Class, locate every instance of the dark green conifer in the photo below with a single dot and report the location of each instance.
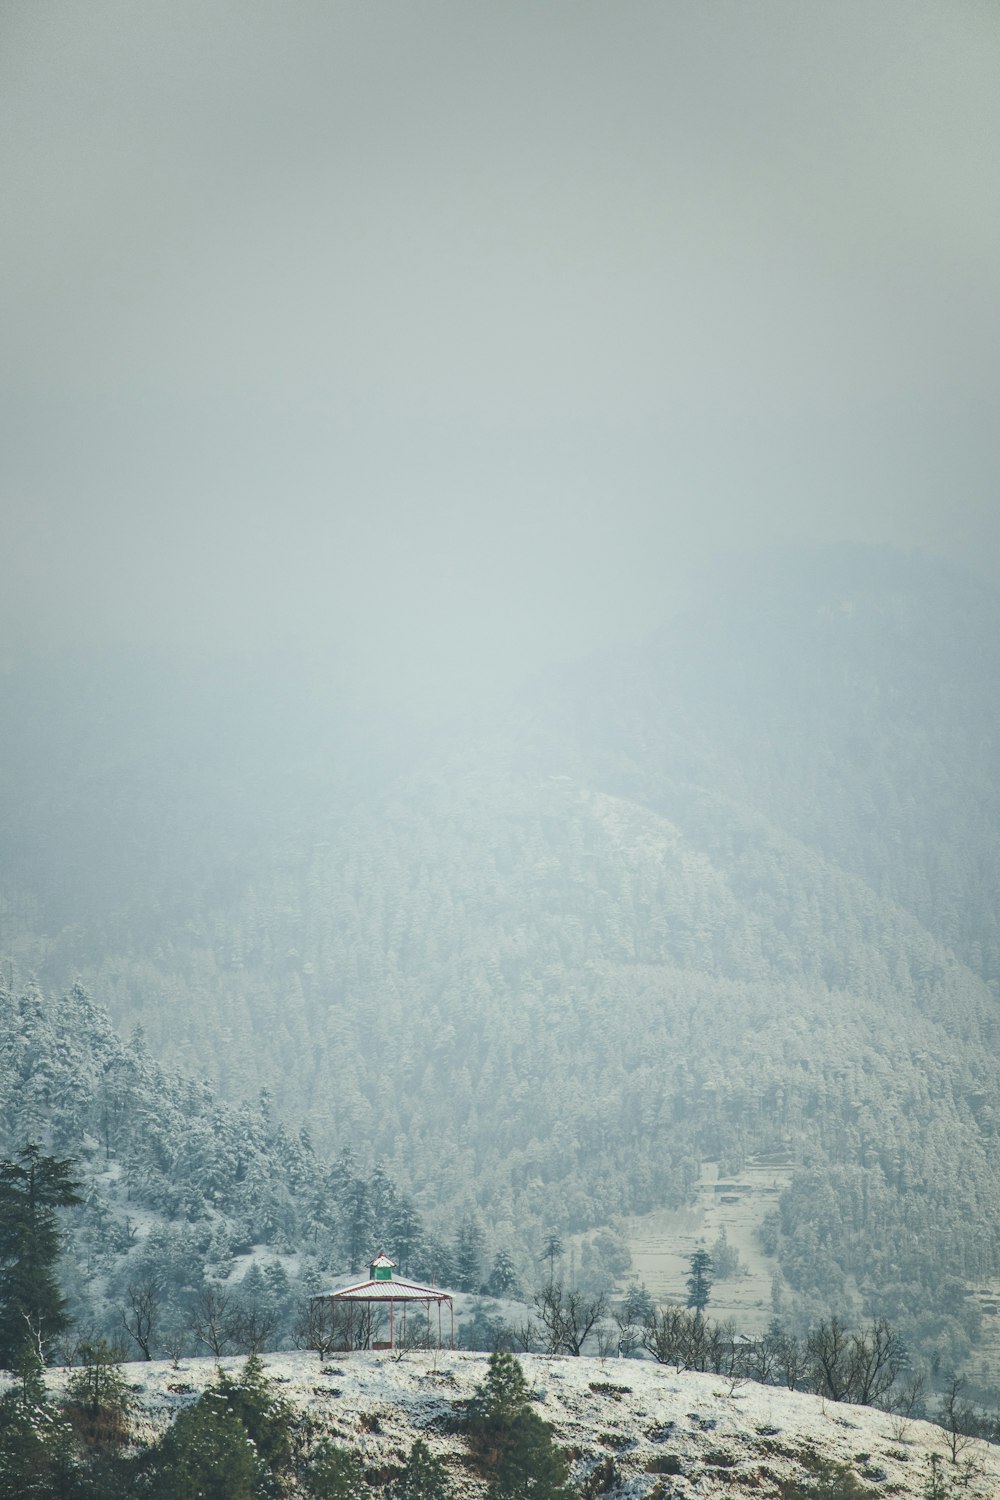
(699, 1282)
(514, 1446)
(266, 1417)
(531, 1466)
(32, 1308)
(36, 1457)
(500, 1397)
(334, 1473)
(99, 1392)
(207, 1455)
(424, 1478)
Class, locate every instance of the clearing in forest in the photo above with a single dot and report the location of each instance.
(661, 1243)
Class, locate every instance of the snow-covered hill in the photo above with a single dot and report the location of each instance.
(665, 1433)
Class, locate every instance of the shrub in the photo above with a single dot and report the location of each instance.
(207, 1455)
(602, 1479)
(334, 1473)
(98, 1395)
(36, 1457)
(424, 1477)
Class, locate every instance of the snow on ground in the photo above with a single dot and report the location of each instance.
(724, 1439)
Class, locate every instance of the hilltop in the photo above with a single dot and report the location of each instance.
(630, 1426)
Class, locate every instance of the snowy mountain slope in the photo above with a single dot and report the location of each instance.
(726, 895)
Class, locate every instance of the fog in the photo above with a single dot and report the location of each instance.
(499, 648)
(448, 341)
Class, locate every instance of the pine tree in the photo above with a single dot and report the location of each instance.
(503, 1277)
(357, 1224)
(266, 1416)
(699, 1282)
(36, 1458)
(381, 1205)
(468, 1255)
(424, 1477)
(334, 1474)
(99, 1390)
(514, 1446)
(207, 1455)
(496, 1404)
(552, 1252)
(504, 1393)
(32, 1308)
(405, 1234)
(531, 1467)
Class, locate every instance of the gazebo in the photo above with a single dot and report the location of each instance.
(382, 1287)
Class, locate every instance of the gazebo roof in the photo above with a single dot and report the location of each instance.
(385, 1291)
(383, 1287)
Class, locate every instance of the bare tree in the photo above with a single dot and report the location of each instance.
(525, 1335)
(567, 1317)
(905, 1401)
(957, 1417)
(67, 1350)
(175, 1341)
(252, 1326)
(318, 1327)
(629, 1333)
(36, 1339)
(876, 1360)
(726, 1351)
(211, 1321)
(363, 1323)
(682, 1337)
(763, 1358)
(908, 1396)
(664, 1335)
(417, 1335)
(700, 1336)
(829, 1352)
(859, 1367)
(325, 1325)
(792, 1361)
(139, 1317)
(608, 1341)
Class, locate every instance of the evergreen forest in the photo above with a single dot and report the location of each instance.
(281, 973)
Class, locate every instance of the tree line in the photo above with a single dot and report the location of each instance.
(241, 1439)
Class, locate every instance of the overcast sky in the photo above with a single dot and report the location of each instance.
(453, 338)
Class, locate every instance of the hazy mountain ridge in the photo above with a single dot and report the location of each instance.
(849, 696)
(725, 893)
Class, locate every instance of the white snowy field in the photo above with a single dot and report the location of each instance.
(721, 1440)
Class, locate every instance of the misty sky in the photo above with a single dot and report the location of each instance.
(454, 338)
